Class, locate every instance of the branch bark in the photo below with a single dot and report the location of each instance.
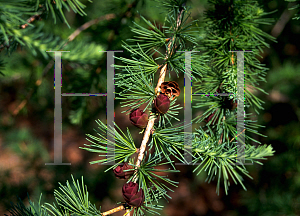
(161, 79)
(114, 210)
(89, 24)
(128, 212)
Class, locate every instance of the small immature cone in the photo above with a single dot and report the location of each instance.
(139, 118)
(229, 104)
(131, 194)
(162, 103)
(119, 171)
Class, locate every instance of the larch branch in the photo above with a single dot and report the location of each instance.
(161, 79)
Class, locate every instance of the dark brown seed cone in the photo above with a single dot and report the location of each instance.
(170, 88)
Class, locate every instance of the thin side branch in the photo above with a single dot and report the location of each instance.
(89, 24)
(31, 19)
(128, 212)
(114, 210)
(278, 28)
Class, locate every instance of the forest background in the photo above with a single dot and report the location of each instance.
(27, 116)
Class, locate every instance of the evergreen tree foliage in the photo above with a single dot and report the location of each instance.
(229, 25)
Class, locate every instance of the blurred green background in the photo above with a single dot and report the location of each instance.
(27, 118)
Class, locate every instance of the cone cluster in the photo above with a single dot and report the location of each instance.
(162, 102)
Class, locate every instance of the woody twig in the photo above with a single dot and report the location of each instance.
(161, 79)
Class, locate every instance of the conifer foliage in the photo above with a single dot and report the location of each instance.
(229, 25)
